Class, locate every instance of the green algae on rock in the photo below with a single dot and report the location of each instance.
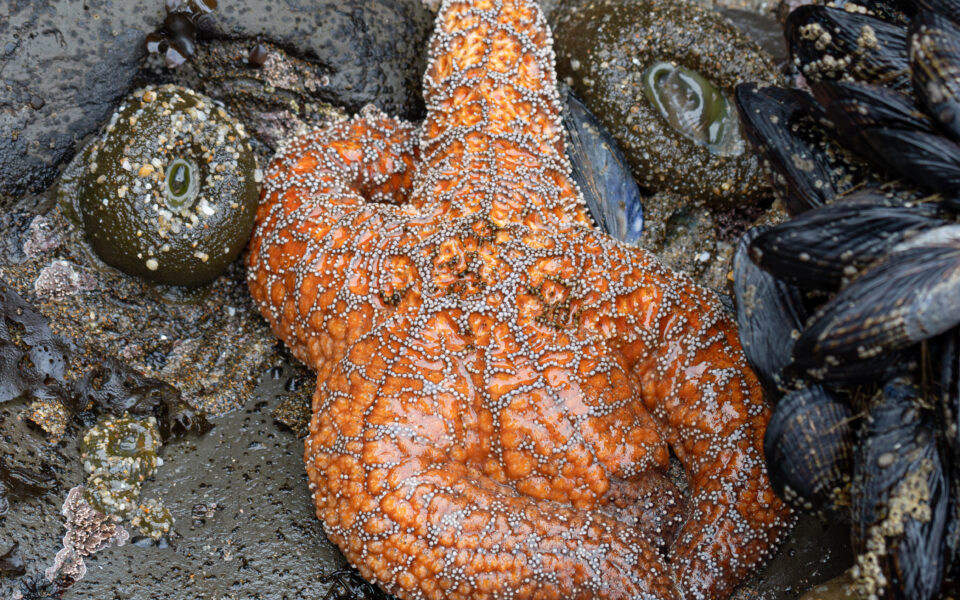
(615, 54)
(168, 192)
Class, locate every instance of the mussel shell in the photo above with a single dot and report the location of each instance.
(950, 395)
(935, 66)
(927, 159)
(900, 501)
(770, 315)
(805, 168)
(890, 11)
(809, 450)
(823, 247)
(865, 372)
(832, 43)
(947, 8)
(949, 405)
(602, 173)
(908, 296)
(855, 109)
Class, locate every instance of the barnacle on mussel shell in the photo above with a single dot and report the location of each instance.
(822, 249)
(909, 295)
(804, 167)
(660, 75)
(168, 192)
(900, 499)
(833, 43)
(868, 165)
(935, 67)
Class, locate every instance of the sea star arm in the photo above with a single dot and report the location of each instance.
(393, 492)
(697, 384)
(327, 222)
(492, 141)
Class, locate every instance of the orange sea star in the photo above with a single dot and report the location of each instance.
(499, 384)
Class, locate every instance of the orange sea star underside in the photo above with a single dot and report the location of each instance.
(499, 385)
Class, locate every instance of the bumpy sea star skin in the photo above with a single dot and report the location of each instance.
(499, 384)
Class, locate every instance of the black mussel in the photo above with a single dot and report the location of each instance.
(857, 109)
(177, 39)
(935, 67)
(805, 168)
(899, 499)
(851, 105)
(839, 374)
(887, 128)
(770, 315)
(892, 12)
(602, 173)
(908, 296)
(809, 450)
(824, 247)
(947, 8)
(950, 396)
(832, 43)
(929, 160)
(949, 405)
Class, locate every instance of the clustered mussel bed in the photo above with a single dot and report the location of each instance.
(850, 310)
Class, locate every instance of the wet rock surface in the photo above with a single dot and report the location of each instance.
(208, 343)
(683, 234)
(63, 68)
(244, 522)
(374, 49)
(65, 65)
(278, 98)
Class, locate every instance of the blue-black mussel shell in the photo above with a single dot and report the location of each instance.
(823, 248)
(602, 174)
(770, 316)
(908, 296)
(935, 67)
(900, 498)
(809, 450)
(832, 43)
(804, 165)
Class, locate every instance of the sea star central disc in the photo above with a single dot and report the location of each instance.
(499, 385)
